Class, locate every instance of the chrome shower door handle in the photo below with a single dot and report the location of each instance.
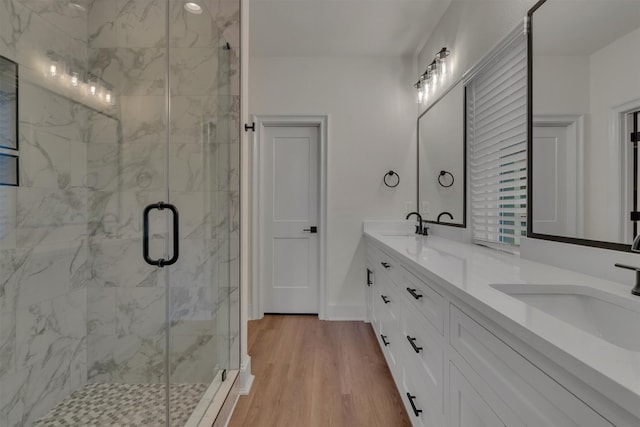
(160, 262)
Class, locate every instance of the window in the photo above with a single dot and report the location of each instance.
(497, 143)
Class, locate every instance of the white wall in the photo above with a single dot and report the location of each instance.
(470, 29)
(372, 129)
(567, 76)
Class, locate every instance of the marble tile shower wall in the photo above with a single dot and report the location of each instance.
(77, 304)
(126, 300)
(43, 245)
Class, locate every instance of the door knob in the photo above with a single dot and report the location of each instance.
(311, 230)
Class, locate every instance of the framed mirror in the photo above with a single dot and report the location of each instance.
(442, 160)
(584, 100)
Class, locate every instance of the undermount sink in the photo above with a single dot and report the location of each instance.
(613, 318)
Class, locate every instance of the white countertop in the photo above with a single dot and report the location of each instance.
(467, 271)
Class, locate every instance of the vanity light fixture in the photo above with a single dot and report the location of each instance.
(192, 7)
(434, 73)
(75, 79)
(54, 68)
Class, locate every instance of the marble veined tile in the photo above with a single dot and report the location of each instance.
(192, 359)
(39, 34)
(101, 311)
(101, 23)
(193, 309)
(192, 30)
(143, 119)
(70, 20)
(9, 28)
(140, 311)
(193, 119)
(8, 220)
(52, 113)
(194, 71)
(196, 266)
(186, 167)
(54, 326)
(129, 359)
(131, 71)
(49, 217)
(29, 393)
(44, 159)
(141, 23)
(127, 167)
(143, 166)
(119, 263)
(118, 214)
(102, 129)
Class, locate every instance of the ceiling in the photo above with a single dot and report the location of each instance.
(341, 27)
(573, 27)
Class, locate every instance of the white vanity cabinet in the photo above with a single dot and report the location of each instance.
(451, 367)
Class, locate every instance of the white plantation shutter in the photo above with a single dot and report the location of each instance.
(497, 143)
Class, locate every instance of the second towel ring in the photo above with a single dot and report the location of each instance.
(442, 179)
(391, 174)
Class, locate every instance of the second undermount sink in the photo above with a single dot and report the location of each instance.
(613, 318)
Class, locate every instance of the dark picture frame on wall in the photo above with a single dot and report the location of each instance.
(8, 104)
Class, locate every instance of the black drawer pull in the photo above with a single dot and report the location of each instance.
(414, 293)
(386, 265)
(413, 344)
(384, 340)
(416, 411)
(369, 281)
(385, 299)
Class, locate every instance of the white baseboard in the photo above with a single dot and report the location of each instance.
(246, 377)
(347, 312)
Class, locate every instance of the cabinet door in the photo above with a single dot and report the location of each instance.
(536, 398)
(468, 409)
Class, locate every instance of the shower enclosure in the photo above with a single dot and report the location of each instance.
(127, 121)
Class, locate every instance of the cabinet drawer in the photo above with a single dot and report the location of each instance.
(424, 298)
(426, 398)
(531, 394)
(425, 358)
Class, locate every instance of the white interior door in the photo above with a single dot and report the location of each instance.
(290, 247)
(552, 214)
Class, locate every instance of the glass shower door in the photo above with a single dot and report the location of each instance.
(204, 185)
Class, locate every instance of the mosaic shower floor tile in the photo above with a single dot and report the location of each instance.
(124, 405)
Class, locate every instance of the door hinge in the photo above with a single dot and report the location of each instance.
(247, 128)
(224, 375)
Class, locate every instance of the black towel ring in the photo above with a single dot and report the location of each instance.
(391, 174)
(442, 181)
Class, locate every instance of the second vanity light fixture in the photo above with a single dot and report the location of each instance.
(91, 88)
(433, 74)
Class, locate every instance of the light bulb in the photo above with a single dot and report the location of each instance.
(75, 81)
(108, 97)
(53, 69)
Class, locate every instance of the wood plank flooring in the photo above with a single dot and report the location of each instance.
(315, 373)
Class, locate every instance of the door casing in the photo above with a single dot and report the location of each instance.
(256, 307)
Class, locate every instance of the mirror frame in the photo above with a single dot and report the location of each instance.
(530, 234)
(464, 157)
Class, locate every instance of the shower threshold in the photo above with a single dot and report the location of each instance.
(124, 405)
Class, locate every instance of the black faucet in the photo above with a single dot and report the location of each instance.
(444, 213)
(419, 228)
(635, 247)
